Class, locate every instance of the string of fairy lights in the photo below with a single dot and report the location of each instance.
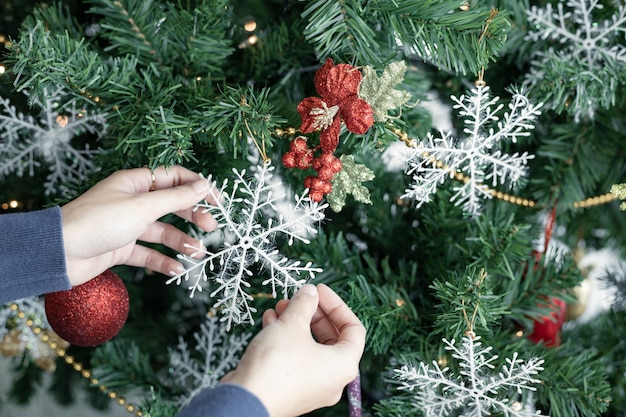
(60, 350)
(5, 42)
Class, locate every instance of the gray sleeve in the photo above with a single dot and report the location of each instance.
(32, 255)
(225, 400)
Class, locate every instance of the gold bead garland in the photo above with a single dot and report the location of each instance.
(509, 198)
(459, 176)
(77, 366)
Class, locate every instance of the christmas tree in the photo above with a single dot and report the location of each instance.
(452, 168)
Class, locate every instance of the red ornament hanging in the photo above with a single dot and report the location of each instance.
(338, 87)
(89, 314)
(547, 329)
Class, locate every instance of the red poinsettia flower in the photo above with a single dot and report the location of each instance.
(337, 86)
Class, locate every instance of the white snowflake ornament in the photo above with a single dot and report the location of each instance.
(588, 59)
(251, 214)
(476, 156)
(27, 142)
(215, 353)
(478, 390)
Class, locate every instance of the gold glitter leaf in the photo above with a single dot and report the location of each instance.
(619, 191)
(379, 91)
(348, 181)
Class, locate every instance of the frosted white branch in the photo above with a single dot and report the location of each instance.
(251, 213)
(27, 142)
(216, 353)
(478, 390)
(435, 159)
(582, 39)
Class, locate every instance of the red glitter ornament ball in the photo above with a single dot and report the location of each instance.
(89, 314)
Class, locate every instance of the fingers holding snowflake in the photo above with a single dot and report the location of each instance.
(170, 236)
(121, 210)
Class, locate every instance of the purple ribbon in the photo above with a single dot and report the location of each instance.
(354, 397)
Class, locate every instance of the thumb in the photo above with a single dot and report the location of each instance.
(302, 306)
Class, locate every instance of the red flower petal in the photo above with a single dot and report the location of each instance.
(304, 108)
(336, 83)
(329, 138)
(321, 75)
(357, 114)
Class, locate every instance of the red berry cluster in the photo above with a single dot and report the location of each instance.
(299, 154)
(327, 165)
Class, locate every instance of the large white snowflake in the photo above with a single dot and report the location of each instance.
(477, 390)
(252, 214)
(587, 61)
(26, 141)
(476, 156)
(216, 353)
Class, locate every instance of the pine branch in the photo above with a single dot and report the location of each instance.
(122, 366)
(338, 28)
(587, 58)
(467, 299)
(430, 28)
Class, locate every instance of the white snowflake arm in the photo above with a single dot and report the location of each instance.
(588, 53)
(473, 158)
(27, 142)
(476, 109)
(251, 216)
(587, 38)
(477, 389)
(217, 353)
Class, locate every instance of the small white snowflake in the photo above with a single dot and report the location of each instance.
(589, 54)
(216, 354)
(436, 159)
(477, 390)
(27, 142)
(252, 215)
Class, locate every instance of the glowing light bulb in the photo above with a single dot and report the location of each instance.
(250, 26)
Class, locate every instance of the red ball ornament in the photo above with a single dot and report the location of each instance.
(91, 313)
(547, 330)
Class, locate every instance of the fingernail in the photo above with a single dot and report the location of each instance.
(201, 187)
(308, 289)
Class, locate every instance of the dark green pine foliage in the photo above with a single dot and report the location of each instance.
(182, 82)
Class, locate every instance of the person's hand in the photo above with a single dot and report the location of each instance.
(291, 372)
(101, 227)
